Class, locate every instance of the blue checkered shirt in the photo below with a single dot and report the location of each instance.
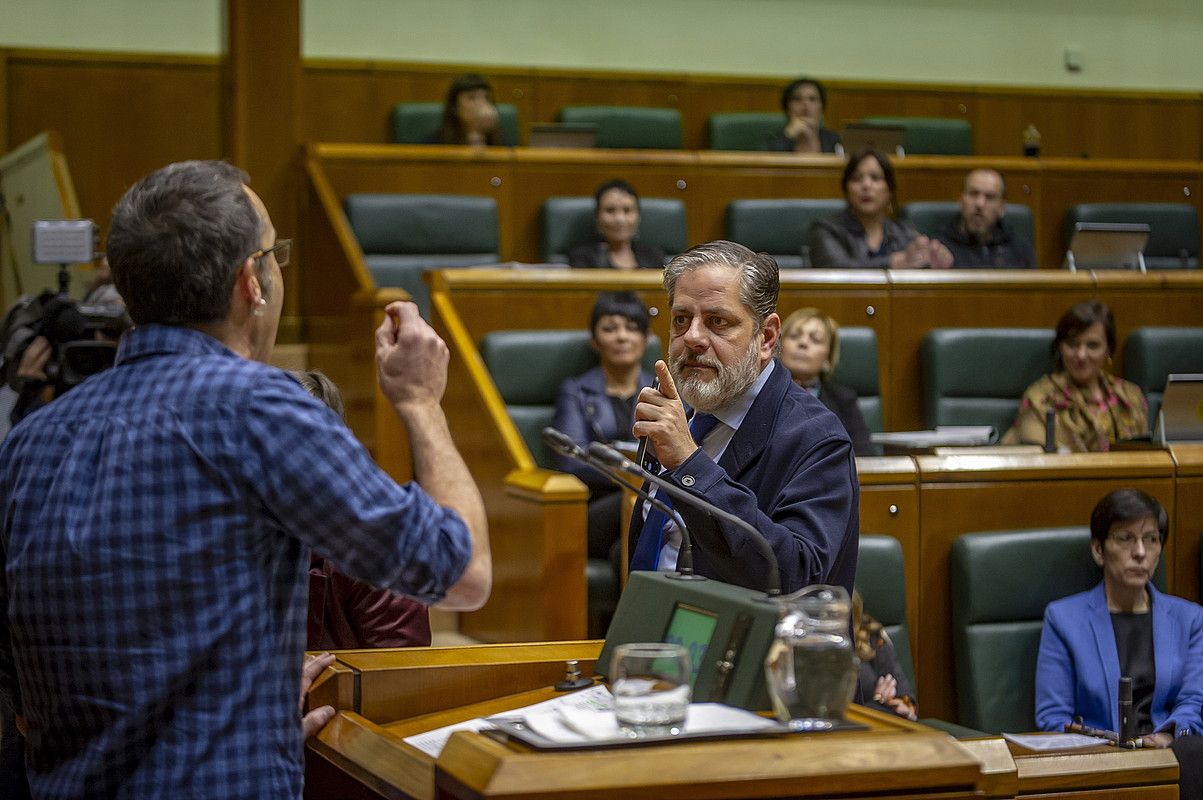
(156, 526)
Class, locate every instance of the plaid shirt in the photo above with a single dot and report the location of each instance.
(156, 523)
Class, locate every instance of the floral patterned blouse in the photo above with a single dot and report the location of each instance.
(1083, 424)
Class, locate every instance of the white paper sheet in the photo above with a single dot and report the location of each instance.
(1053, 741)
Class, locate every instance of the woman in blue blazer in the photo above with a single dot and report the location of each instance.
(599, 406)
(1124, 626)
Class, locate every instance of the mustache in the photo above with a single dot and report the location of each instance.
(700, 360)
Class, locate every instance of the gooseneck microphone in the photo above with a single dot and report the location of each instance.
(563, 444)
(612, 458)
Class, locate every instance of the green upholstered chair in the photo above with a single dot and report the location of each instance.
(931, 135)
(567, 221)
(881, 579)
(743, 130)
(976, 376)
(857, 369)
(414, 123)
(630, 126)
(403, 235)
(1152, 354)
(1173, 229)
(930, 216)
(528, 367)
(1001, 583)
(778, 227)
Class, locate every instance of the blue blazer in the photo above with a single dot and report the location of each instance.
(789, 470)
(586, 414)
(1077, 670)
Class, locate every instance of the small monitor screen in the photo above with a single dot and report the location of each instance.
(691, 627)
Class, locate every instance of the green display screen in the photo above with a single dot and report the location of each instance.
(691, 627)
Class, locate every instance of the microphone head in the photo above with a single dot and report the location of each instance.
(607, 455)
(560, 441)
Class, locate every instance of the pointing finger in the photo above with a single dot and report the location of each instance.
(667, 387)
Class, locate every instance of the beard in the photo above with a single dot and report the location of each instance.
(727, 385)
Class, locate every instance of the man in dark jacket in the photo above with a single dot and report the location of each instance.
(979, 237)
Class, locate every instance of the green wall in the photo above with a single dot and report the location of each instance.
(1153, 44)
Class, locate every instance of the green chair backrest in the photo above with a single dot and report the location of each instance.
(404, 235)
(976, 376)
(630, 126)
(881, 579)
(1152, 354)
(414, 123)
(568, 221)
(528, 367)
(931, 135)
(930, 216)
(857, 369)
(1001, 583)
(1173, 229)
(778, 227)
(743, 130)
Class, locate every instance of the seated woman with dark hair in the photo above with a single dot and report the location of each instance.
(599, 406)
(469, 114)
(810, 350)
(1092, 409)
(1125, 627)
(616, 215)
(864, 234)
(803, 102)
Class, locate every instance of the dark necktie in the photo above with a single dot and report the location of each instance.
(651, 536)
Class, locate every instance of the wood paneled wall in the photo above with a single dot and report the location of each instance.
(1075, 124)
(122, 115)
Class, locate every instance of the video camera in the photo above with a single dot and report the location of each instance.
(82, 335)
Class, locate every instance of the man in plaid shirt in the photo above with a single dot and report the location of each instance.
(155, 521)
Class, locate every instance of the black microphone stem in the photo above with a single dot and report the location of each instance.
(562, 443)
(612, 457)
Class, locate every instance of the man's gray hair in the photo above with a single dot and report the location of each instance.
(759, 275)
(177, 240)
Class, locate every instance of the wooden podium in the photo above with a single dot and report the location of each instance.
(384, 696)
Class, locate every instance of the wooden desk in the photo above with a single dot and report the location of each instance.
(1097, 772)
(384, 696)
(965, 493)
(397, 691)
(520, 179)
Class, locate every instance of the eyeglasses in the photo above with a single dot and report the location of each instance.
(1128, 540)
(282, 250)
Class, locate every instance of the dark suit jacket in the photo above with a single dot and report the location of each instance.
(585, 413)
(1004, 250)
(1077, 670)
(842, 402)
(789, 471)
(596, 254)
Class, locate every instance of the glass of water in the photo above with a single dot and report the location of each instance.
(651, 690)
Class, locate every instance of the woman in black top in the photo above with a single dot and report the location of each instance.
(865, 234)
(1126, 627)
(803, 102)
(616, 215)
(469, 114)
(810, 349)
